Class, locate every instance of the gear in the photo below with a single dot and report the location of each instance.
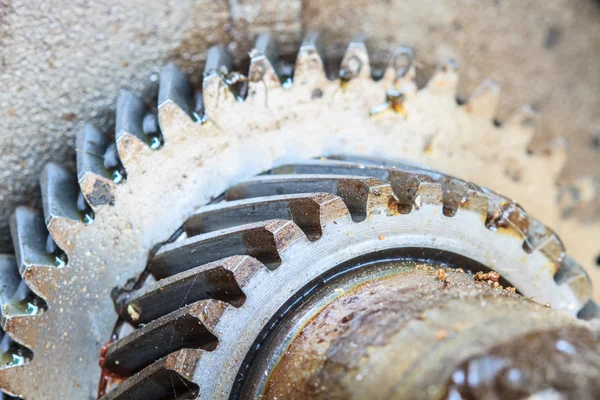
(131, 196)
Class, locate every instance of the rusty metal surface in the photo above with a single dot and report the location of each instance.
(403, 336)
(197, 157)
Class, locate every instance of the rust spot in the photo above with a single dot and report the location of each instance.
(69, 117)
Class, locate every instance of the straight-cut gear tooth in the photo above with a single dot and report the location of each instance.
(555, 153)
(129, 135)
(221, 280)
(265, 241)
(400, 73)
(541, 238)
(485, 99)
(262, 76)
(174, 88)
(35, 265)
(429, 192)
(12, 375)
(169, 377)
(572, 274)
(309, 70)
(216, 93)
(95, 181)
(355, 63)
(187, 327)
(476, 201)
(59, 198)
(18, 316)
(521, 127)
(310, 212)
(444, 79)
(362, 195)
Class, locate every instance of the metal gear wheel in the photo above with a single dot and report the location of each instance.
(108, 249)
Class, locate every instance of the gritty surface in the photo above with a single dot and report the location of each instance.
(62, 64)
(415, 334)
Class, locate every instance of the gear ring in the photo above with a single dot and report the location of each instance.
(224, 151)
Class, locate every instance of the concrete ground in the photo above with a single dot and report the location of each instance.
(63, 63)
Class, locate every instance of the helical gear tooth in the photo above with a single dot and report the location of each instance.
(264, 62)
(187, 327)
(9, 278)
(59, 198)
(309, 71)
(129, 134)
(355, 63)
(400, 74)
(484, 100)
(174, 88)
(217, 96)
(95, 181)
(36, 266)
(590, 311)
(573, 275)
(332, 167)
(445, 79)
(266, 241)
(362, 195)
(311, 212)
(221, 280)
(171, 376)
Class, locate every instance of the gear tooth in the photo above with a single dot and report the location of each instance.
(555, 155)
(262, 75)
(18, 316)
(9, 278)
(485, 99)
(95, 181)
(520, 127)
(311, 212)
(12, 374)
(477, 202)
(429, 192)
(332, 167)
(400, 73)
(309, 70)
(215, 90)
(445, 79)
(265, 241)
(362, 195)
(540, 238)
(168, 377)
(174, 88)
(221, 280)
(573, 275)
(355, 63)
(129, 134)
(35, 265)
(59, 198)
(188, 327)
